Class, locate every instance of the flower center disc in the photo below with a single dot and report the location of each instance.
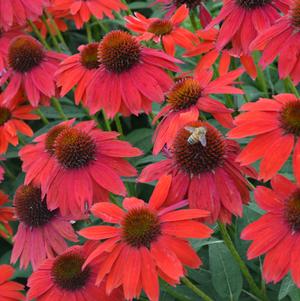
(192, 156)
(189, 3)
(5, 115)
(25, 53)
(295, 14)
(30, 208)
(119, 51)
(74, 148)
(89, 56)
(184, 94)
(292, 211)
(290, 118)
(252, 4)
(160, 27)
(140, 227)
(51, 137)
(67, 271)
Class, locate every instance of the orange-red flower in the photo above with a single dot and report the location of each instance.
(9, 290)
(276, 234)
(203, 170)
(6, 215)
(149, 240)
(167, 31)
(275, 123)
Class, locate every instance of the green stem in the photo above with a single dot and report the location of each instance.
(193, 20)
(102, 25)
(43, 117)
(261, 81)
(290, 86)
(228, 242)
(195, 289)
(106, 121)
(38, 34)
(89, 32)
(58, 108)
(119, 125)
(129, 12)
(8, 238)
(8, 172)
(53, 38)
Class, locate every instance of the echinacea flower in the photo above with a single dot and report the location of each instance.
(9, 290)
(167, 31)
(78, 70)
(147, 241)
(276, 234)
(78, 165)
(82, 10)
(16, 12)
(130, 76)
(243, 20)
(62, 278)
(6, 215)
(275, 125)
(189, 96)
(31, 68)
(41, 232)
(282, 40)
(11, 122)
(203, 170)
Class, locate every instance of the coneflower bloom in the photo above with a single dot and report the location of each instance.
(166, 31)
(206, 46)
(16, 12)
(78, 70)
(41, 232)
(31, 68)
(243, 20)
(9, 290)
(282, 40)
(62, 278)
(276, 233)
(6, 215)
(203, 170)
(147, 241)
(130, 76)
(11, 122)
(275, 125)
(68, 153)
(187, 97)
(82, 10)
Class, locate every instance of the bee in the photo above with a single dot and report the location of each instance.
(198, 135)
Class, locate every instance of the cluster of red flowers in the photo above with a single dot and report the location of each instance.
(74, 170)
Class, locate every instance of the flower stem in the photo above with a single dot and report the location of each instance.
(261, 81)
(58, 108)
(228, 242)
(38, 34)
(129, 12)
(290, 86)
(195, 289)
(193, 20)
(8, 172)
(89, 32)
(43, 117)
(106, 121)
(8, 238)
(119, 125)
(53, 38)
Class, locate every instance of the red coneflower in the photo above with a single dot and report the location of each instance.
(276, 234)
(11, 122)
(16, 12)
(9, 290)
(79, 165)
(62, 278)
(203, 170)
(283, 40)
(82, 10)
(275, 123)
(41, 232)
(166, 31)
(130, 76)
(243, 20)
(31, 68)
(148, 241)
(78, 69)
(187, 97)
(6, 215)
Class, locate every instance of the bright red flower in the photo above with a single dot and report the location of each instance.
(9, 290)
(31, 68)
(206, 47)
(78, 70)
(130, 76)
(204, 171)
(275, 123)
(41, 232)
(6, 215)
(62, 278)
(82, 10)
(282, 40)
(16, 12)
(276, 234)
(150, 240)
(166, 31)
(187, 98)
(243, 20)
(78, 165)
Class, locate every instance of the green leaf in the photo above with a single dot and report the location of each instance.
(141, 138)
(288, 288)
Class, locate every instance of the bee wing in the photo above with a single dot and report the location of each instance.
(202, 139)
(189, 129)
